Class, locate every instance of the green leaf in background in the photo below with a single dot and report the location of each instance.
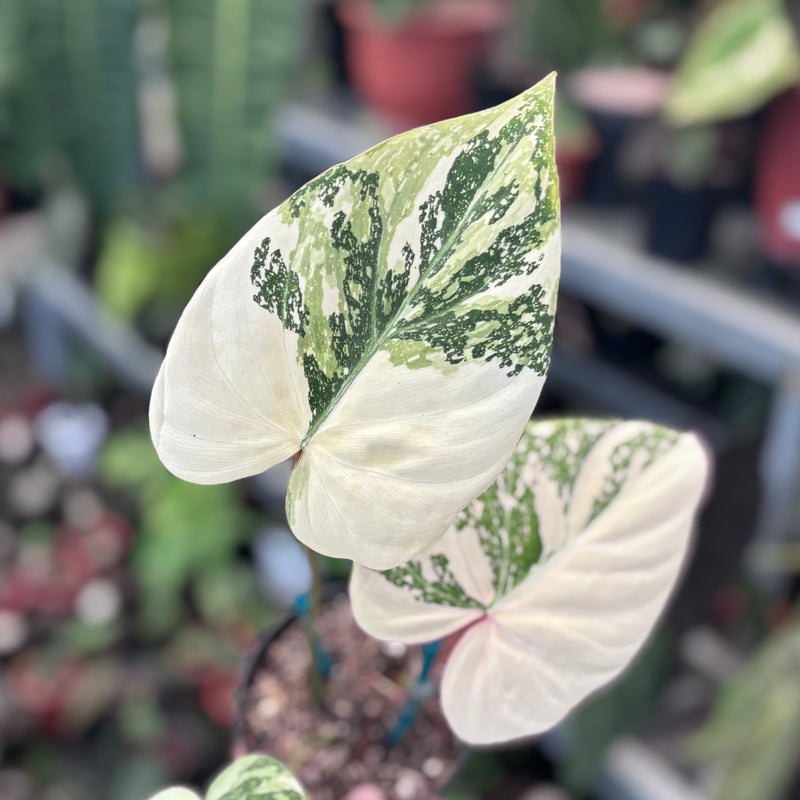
(127, 269)
(140, 266)
(750, 743)
(556, 574)
(391, 322)
(743, 53)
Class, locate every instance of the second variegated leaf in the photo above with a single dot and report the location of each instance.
(554, 576)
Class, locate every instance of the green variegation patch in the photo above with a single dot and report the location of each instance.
(436, 584)
(742, 54)
(505, 519)
(389, 325)
(411, 248)
(557, 572)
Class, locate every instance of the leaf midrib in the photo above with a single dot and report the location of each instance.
(390, 328)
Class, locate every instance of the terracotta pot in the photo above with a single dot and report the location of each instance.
(422, 70)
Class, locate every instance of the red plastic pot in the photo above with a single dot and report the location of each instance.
(777, 182)
(422, 70)
(572, 161)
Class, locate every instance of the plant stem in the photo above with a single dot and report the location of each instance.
(308, 607)
(418, 692)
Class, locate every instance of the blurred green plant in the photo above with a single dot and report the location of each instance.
(566, 35)
(186, 532)
(602, 719)
(750, 743)
(79, 82)
(72, 94)
(742, 54)
(156, 267)
(393, 12)
(690, 155)
(230, 62)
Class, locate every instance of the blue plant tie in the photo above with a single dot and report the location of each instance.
(418, 692)
(322, 658)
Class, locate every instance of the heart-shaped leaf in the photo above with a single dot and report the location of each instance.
(391, 323)
(253, 777)
(557, 572)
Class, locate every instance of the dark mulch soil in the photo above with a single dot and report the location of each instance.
(333, 749)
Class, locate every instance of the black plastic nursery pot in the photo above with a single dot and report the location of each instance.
(679, 220)
(342, 743)
(603, 184)
(617, 101)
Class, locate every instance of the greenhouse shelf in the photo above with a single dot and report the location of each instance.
(57, 308)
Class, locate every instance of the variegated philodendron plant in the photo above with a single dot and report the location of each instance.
(389, 326)
(254, 777)
(553, 577)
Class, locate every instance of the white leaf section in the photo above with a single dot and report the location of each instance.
(401, 616)
(231, 399)
(582, 611)
(399, 458)
(176, 793)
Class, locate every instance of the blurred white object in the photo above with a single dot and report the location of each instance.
(81, 507)
(98, 602)
(32, 491)
(13, 632)
(546, 792)
(790, 219)
(283, 572)
(72, 434)
(16, 439)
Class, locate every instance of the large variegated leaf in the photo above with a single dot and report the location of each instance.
(557, 572)
(742, 54)
(390, 324)
(254, 777)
